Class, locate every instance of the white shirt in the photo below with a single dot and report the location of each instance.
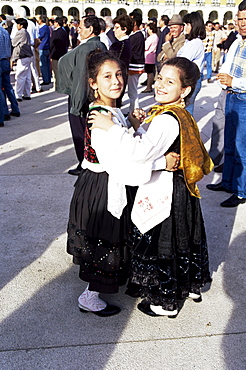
(194, 51)
(218, 36)
(104, 38)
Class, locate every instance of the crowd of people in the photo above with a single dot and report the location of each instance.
(135, 214)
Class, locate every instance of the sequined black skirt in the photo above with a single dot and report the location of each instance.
(171, 260)
(98, 241)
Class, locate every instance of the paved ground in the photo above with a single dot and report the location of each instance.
(41, 326)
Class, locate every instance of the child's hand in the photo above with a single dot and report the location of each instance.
(135, 122)
(139, 114)
(136, 118)
(172, 161)
(99, 120)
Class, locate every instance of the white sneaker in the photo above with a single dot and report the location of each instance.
(90, 301)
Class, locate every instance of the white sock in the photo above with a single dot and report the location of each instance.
(159, 311)
(89, 300)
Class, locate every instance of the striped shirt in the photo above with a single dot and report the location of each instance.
(238, 66)
(208, 42)
(235, 65)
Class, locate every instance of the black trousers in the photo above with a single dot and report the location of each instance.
(77, 124)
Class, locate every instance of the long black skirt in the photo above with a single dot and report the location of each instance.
(98, 241)
(171, 260)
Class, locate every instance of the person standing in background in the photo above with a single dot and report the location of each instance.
(219, 37)
(233, 77)
(150, 55)
(74, 31)
(174, 40)
(33, 33)
(164, 30)
(231, 37)
(22, 53)
(109, 29)
(72, 81)
(5, 85)
(123, 26)
(44, 52)
(67, 29)
(103, 36)
(208, 43)
(58, 46)
(136, 66)
(193, 49)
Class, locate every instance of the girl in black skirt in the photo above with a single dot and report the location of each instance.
(97, 239)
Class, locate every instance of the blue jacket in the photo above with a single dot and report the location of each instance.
(44, 36)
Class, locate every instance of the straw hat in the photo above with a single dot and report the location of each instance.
(176, 19)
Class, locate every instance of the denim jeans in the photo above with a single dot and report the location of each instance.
(234, 172)
(191, 102)
(208, 60)
(216, 151)
(8, 89)
(1, 97)
(6, 84)
(45, 65)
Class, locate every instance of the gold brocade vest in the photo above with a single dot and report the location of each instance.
(194, 159)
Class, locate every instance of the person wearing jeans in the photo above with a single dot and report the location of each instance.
(8, 89)
(208, 43)
(5, 53)
(44, 52)
(233, 75)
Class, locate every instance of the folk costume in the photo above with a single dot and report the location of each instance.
(169, 254)
(98, 234)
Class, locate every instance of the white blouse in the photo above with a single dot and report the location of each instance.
(134, 160)
(194, 51)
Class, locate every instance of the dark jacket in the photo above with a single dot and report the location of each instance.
(58, 43)
(161, 41)
(123, 50)
(73, 73)
(138, 46)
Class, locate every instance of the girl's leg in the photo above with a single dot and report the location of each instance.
(89, 301)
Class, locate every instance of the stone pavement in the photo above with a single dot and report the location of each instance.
(41, 326)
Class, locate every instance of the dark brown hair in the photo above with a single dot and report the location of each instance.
(95, 60)
(188, 72)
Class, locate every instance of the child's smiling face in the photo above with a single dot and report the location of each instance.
(109, 82)
(168, 88)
